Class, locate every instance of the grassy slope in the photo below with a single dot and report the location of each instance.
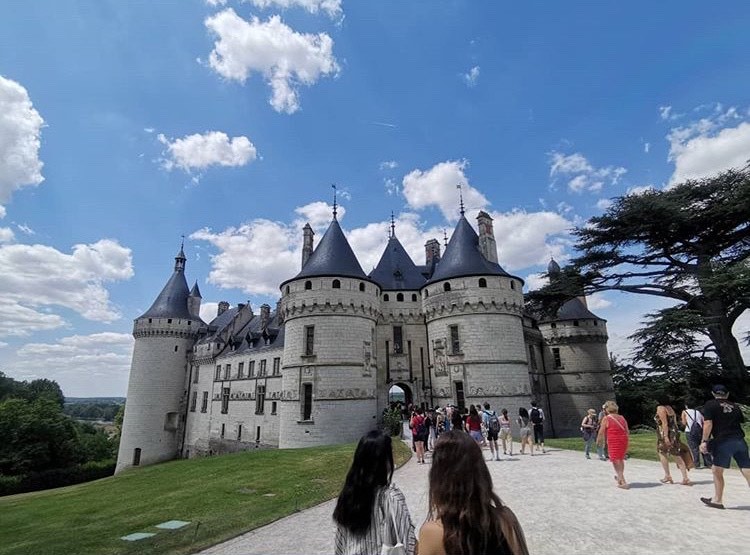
(642, 445)
(220, 496)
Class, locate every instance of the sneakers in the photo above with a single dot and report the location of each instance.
(709, 502)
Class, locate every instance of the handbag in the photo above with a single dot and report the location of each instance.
(397, 548)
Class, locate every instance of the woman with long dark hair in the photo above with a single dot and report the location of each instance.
(465, 516)
(371, 511)
(668, 442)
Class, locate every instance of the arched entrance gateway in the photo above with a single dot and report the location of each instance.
(400, 393)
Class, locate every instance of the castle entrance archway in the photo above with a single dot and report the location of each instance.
(400, 393)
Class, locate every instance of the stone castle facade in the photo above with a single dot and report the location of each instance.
(317, 369)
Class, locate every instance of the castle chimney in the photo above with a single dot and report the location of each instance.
(307, 243)
(487, 244)
(279, 313)
(432, 252)
(265, 316)
(223, 307)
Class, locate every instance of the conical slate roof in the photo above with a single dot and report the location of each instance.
(463, 258)
(396, 270)
(574, 309)
(195, 292)
(332, 257)
(172, 301)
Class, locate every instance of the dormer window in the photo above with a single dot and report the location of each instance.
(336, 284)
(446, 286)
(308, 285)
(482, 282)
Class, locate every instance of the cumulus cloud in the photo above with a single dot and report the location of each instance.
(6, 235)
(319, 214)
(286, 59)
(581, 174)
(639, 189)
(535, 281)
(603, 203)
(83, 365)
(331, 7)
(597, 301)
(437, 187)
(388, 165)
(471, 77)
(201, 151)
(714, 143)
(20, 130)
(39, 276)
(529, 238)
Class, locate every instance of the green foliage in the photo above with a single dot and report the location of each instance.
(45, 389)
(392, 423)
(92, 411)
(57, 477)
(95, 444)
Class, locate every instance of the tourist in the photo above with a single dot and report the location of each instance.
(614, 428)
(492, 425)
(692, 422)
(601, 450)
(537, 421)
(429, 423)
(371, 511)
(457, 421)
(465, 516)
(668, 442)
(418, 433)
(589, 425)
(474, 425)
(448, 417)
(505, 434)
(524, 423)
(440, 422)
(722, 420)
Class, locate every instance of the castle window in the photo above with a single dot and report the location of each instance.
(400, 297)
(251, 369)
(596, 323)
(398, 340)
(196, 373)
(223, 429)
(446, 286)
(276, 366)
(204, 402)
(193, 401)
(189, 322)
(336, 284)
(426, 293)
(512, 284)
(361, 286)
(227, 371)
(557, 358)
(308, 285)
(455, 342)
(224, 401)
(241, 370)
(386, 297)
(575, 323)
(239, 432)
(414, 297)
(274, 405)
(553, 325)
(306, 411)
(262, 371)
(260, 399)
(218, 371)
(482, 282)
(309, 340)
(287, 289)
(532, 357)
(169, 320)
(176, 347)
(150, 320)
(136, 456)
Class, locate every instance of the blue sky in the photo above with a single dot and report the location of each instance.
(124, 125)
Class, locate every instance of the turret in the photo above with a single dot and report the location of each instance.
(487, 244)
(194, 301)
(432, 252)
(307, 243)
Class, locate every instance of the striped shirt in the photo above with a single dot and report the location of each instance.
(389, 501)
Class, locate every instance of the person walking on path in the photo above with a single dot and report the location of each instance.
(492, 424)
(457, 420)
(505, 434)
(474, 425)
(465, 516)
(524, 425)
(371, 511)
(601, 450)
(668, 443)
(692, 421)
(723, 421)
(589, 425)
(614, 428)
(419, 434)
(537, 420)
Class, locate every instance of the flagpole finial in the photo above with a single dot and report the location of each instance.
(461, 198)
(393, 225)
(335, 206)
(445, 238)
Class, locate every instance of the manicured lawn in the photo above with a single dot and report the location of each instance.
(642, 445)
(220, 496)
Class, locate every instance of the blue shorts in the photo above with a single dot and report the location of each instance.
(724, 450)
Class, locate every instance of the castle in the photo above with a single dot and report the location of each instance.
(317, 370)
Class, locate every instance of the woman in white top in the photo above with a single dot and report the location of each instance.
(370, 510)
(689, 417)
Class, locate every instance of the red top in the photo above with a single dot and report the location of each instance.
(475, 423)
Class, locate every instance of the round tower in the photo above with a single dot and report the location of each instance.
(473, 309)
(164, 336)
(329, 365)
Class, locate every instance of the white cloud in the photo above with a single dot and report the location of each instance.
(471, 77)
(20, 130)
(83, 365)
(563, 207)
(597, 301)
(528, 238)
(709, 145)
(330, 7)
(603, 203)
(639, 190)
(646, 147)
(534, 282)
(388, 165)
(209, 311)
(665, 112)
(37, 276)
(319, 214)
(25, 229)
(285, 58)
(201, 151)
(582, 175)
(6, 235)
(391, 186)
(437, 187)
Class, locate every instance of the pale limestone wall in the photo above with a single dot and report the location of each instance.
(342, 369)
(154, 410)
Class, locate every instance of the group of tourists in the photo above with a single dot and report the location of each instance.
(714, 434)
(465, 516)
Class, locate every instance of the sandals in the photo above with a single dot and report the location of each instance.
(667, 480)
(686, 482)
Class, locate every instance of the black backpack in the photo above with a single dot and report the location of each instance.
(695, 433)
(536, 416)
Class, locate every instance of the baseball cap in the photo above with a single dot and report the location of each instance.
(719, 389)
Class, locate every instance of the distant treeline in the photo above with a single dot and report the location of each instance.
(92, 410)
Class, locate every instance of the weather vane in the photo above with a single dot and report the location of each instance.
(335, 208)
(393, 225)
(461, 197)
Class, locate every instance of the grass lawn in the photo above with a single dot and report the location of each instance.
(220, 496)
(642, 445)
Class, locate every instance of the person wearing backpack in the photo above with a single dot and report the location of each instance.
(492, 424)
(419, 433)
(537, 421)
(692, 420)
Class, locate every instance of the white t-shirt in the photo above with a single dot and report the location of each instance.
(693, 415)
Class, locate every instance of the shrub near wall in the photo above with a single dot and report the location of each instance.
(56, 477)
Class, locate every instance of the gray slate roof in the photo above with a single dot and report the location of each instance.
(396, 270)
(172, 301)
(332, 257)
(574, 309)
(463, 258)
(195, 292)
